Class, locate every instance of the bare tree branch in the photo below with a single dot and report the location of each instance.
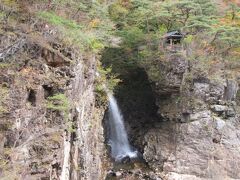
(12, 49)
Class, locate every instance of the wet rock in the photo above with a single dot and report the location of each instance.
(126, 160)
(111, 173)
(118, 173)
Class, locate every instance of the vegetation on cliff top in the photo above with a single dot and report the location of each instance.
(212, 28)
(212, 32)
(146, 21)
(92, 25)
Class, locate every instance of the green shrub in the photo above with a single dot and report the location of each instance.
(74, 33)
(132, 36)
(60, 103)
(117, 11)
(54, 19)
(106, 81)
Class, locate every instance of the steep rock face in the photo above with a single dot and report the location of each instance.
(89, 149)
(41, 141)
(200, 136)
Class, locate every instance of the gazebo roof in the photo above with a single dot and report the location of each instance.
(173, 34)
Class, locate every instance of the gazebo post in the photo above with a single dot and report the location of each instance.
(171, 43)
(172, 38)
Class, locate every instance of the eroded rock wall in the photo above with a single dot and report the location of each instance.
(39, 141)
(199, 138)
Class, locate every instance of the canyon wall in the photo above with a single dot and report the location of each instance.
(198, 137)
(50, 127)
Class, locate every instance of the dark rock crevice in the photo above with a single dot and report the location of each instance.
(32, 97)
(135, 97)
(184, 119)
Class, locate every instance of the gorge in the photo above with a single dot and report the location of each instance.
(171, 111)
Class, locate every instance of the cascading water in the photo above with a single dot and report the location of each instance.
(118, 139)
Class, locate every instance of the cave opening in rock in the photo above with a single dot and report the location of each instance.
(32, 97)
(48, 91)
(134, 95)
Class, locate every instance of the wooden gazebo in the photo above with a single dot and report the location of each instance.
(173, 37)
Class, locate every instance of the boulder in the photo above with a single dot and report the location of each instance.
(118, 173)
(218, 108)
(126, 160)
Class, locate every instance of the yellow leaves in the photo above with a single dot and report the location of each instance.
(232, 1)
(118, 11)
(235, 51)
(227, 21)
(10, 3)
(94, 23)
(26, 71)
(4, 65)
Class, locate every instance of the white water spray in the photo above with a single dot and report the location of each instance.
(118, 139)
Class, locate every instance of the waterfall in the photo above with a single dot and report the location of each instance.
(118, 138)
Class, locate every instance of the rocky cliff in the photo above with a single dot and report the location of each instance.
(50, 127)
(181, 109)
(187, 128)
(182, 114)
(199, 135)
